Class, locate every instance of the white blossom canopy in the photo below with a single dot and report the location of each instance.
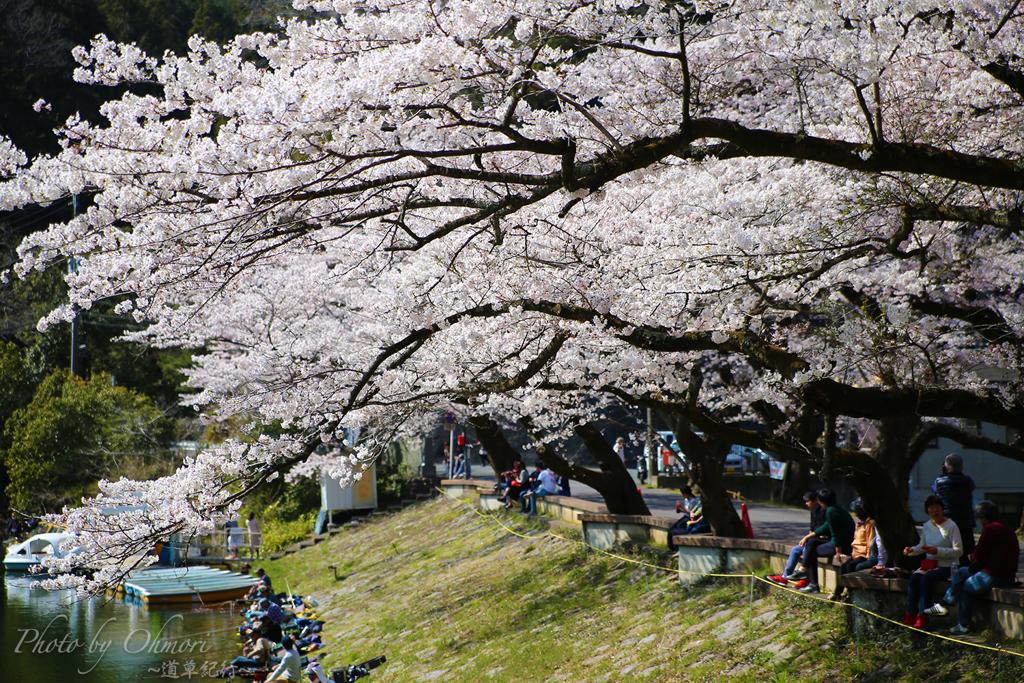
(390, 206)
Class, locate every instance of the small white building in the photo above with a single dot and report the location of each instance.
(361, 495)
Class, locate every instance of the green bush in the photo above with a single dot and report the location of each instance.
(279, 533)
(392, 476)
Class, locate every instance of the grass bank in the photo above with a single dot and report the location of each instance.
(453, 596)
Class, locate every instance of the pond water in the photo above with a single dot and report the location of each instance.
(51, 637)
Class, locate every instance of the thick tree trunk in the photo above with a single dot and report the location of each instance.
(885, 497)
(616, 486)
(796, 483)
(891, 453)
(613, 482)
(705, 459)
(717, 502)
(500, 452)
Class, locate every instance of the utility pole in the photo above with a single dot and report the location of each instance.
(73, 268)
(652, 445)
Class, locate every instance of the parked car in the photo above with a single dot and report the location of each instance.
(734, 462)
(755, 461)
(739, 460)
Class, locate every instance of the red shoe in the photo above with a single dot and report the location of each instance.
(801, 583)
(909, 619)
(922, 621)
(779, 580)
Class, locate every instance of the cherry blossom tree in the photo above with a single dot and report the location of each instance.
(804, 213)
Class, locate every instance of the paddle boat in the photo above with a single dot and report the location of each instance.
(28, 554)
(189, 585)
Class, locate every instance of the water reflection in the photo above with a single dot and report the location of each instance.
(53, 637)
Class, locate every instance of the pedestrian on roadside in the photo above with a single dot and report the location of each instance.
(641, 468)
(255, 535)
(956, 490)
(620, 449)
(234, 538)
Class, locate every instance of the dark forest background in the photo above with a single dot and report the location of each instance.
(61, 432)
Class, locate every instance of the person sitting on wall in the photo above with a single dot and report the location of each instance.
(689, 503)
(697, 524)
(993, 565)
(546, 486)
(459, 472)
(505, 479)
(563, 486)
(794, 571)
(863, 541)
(516, 484)
(832, 537)
(941, 544)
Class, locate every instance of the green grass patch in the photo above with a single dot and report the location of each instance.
(450, 595)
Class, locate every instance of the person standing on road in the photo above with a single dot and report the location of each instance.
(956, 490)
(620, 449)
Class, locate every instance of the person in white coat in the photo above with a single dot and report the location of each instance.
(941, 545)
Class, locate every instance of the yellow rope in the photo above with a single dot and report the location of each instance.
(736, 576)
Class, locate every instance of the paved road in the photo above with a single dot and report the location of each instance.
(770, 522)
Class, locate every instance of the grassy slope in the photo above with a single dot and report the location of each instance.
(450, 595)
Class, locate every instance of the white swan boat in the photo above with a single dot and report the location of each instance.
(27, 554)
